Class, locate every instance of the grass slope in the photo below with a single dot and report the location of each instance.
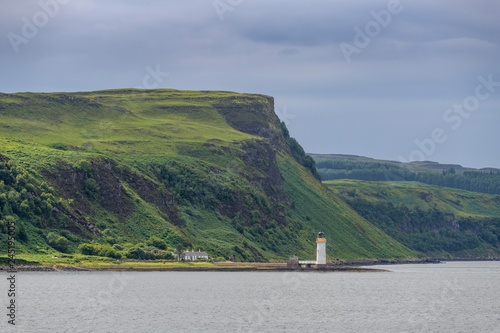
(351, 236)
(136, 174)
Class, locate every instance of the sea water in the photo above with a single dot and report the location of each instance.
(446, 297)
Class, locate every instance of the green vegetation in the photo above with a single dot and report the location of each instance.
(352, 236)
(434, 220)
(133, 174)
(455, 176)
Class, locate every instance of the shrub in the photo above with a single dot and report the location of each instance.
(58, 242)
(98, 250)
(157, 242)
(112, 253)
(136, 253)
(22, 235)
(148, 253)
(88, 249)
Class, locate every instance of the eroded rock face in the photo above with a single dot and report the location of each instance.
(250, 115)
(103, 182)
(262, 156)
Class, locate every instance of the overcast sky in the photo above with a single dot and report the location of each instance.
(399, 80)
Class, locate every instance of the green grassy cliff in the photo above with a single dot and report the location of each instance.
(136, 174)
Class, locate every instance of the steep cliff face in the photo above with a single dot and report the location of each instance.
(253, 114)
(135, 174)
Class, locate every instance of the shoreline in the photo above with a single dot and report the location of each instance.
(144, 266)
(224, 267)
(410, 261)
(375, 262)
(57, 268)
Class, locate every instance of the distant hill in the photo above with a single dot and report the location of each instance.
(437, 221)
(137, 174)
(338, 166)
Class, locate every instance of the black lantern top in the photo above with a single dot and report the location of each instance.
(321, 234)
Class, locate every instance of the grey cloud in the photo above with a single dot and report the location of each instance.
(394, 90)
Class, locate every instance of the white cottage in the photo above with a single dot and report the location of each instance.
(194, 255)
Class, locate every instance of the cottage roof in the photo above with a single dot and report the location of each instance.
(195, 253)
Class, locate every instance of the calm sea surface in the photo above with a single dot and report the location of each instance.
(449, 297)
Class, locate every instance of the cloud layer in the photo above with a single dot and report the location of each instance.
(391, 92)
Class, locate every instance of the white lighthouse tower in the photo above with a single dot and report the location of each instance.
(321, 249)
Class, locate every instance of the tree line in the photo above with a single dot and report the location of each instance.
(477, 181)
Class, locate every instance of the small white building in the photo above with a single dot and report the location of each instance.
(321, 249)
(194, 255)
(320, 255)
